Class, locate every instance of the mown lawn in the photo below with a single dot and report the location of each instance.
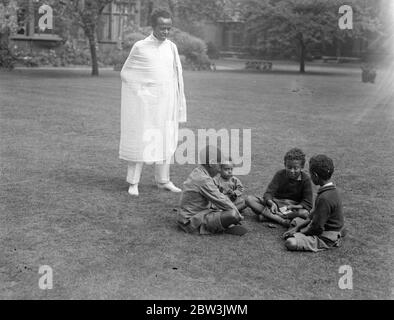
(64, 201)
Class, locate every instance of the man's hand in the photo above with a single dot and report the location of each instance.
(274, 208)
(231, 194)
(290, 233)
(240, 216)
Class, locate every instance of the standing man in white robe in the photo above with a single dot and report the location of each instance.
(153, 104)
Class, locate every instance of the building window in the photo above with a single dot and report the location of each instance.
(233, 36)
(21, 15)
(28, 17)
(115, 17)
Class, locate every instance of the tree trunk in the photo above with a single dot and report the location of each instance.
(93, 52)
(302, 56)
(339, 50)
(300, 38)
(7, 59)
(4, 36)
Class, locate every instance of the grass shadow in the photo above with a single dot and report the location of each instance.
(328, 73)
(92, 179)
(62, 73)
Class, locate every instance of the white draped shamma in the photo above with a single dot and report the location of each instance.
(152, 102)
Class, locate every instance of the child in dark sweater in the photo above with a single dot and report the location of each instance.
(289, 194)
(323, 228)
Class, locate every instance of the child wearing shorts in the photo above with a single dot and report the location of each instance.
(230, 185)
(288, 195)
(203, 208)
(324, 227)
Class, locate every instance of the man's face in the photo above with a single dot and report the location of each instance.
(162, 28)
(213, 169)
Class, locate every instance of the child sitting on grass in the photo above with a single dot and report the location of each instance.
(229, 185)
(203, 208)
(323, 229)
(289, 194)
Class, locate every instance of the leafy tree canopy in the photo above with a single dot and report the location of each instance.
(288, 23)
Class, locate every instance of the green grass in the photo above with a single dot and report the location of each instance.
(64, 200)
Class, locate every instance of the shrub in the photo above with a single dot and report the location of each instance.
(41, 58)
(73, 55)
(194, 49)
(7, 60)
(66, 55)
(134, 34)
(115, 57)
(368, 73)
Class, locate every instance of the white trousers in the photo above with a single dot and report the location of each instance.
(134, 170)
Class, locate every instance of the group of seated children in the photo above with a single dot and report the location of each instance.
(212, 201)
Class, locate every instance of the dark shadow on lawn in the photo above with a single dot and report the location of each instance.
(78, 73)
(64, 73)
(292, 73)
(92, 180)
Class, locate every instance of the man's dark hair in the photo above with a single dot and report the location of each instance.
(322, 165)
(159, 13)
(208, 154)
(295, 154)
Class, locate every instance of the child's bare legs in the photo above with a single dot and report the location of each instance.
(240, 204)
(254, 203)
(259, 209)
(298, 213)
(276, 218)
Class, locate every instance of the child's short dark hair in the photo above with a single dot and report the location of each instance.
(295, 154)
(322, 165)
(159, 13)
(226, 161)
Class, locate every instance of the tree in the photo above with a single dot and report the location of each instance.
(298, 24)
(87, 14)
(207, 10)
(8, 25)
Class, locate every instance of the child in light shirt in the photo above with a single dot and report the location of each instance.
(230, 185)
